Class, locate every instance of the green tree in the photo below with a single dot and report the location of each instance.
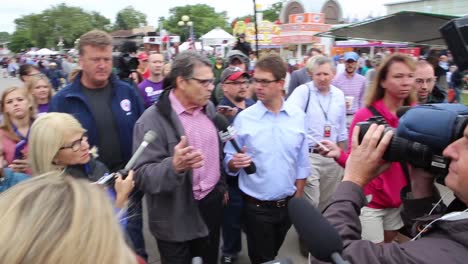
(129, 18)
(20, 40)
(272, 13)
(59, 22)
(203, 17)
(4, 37)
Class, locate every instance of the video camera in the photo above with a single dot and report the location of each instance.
(126, 63)
(423, 133)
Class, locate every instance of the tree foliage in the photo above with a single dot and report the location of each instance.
(204, 18)
(272, 13)
(20, 40)
(129, 18)
(4, 37)
(57, 23)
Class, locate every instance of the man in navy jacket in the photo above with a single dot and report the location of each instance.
(108, 109)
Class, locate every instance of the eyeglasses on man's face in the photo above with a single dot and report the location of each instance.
(204, 82)
(428, 81)
(263, 82)
(76, 145)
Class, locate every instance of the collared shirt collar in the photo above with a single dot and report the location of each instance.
(178, 107)
(315, 89)
(263, 110)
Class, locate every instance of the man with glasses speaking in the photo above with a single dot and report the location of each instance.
(273, 136)
(180, 172)
(425, 84)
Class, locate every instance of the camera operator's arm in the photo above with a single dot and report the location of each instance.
(362, 166)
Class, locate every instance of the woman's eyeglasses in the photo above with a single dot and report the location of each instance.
(76, 145)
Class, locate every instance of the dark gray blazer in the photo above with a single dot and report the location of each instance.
(172, 210)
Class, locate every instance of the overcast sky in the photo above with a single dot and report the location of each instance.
(10, 10)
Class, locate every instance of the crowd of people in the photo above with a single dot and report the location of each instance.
(296, 136)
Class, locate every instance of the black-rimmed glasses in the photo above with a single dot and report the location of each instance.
(204, 82)
(76, 145)
(263, 82)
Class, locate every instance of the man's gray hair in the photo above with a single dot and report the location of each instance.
(316, 61)
(184, 65)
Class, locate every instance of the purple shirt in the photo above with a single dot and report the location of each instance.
(150, 91)
(43, 108)
(354, 86)
(202, 135)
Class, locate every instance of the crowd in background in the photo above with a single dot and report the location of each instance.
(198, 187)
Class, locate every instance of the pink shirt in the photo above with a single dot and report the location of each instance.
(354, 86)
(9, 146)
(202, 135)
(385, 189)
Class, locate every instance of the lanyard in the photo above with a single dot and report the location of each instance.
(15, 129)
(325, 113)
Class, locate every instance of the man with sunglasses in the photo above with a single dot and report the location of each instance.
(181, 172)
(425, 84)
(273, 136)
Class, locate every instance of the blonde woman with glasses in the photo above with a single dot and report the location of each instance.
(58, 142)
(53, 218)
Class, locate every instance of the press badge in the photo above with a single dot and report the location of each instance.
(327, 131)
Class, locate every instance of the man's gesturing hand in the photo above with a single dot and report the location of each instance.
(186, 157)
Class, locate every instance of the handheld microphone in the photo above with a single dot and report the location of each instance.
(319, 237)
(149, 137)
(227, 133)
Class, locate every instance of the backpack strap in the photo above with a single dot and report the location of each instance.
(308, 99)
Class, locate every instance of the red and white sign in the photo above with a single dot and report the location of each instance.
(318, 27)
(307, 18)
(294, 39)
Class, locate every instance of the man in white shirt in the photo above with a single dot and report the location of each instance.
(325, 109)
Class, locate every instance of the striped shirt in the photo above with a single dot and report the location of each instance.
(202, 135)
(354, 86)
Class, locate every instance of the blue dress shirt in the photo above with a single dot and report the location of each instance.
(277, 144)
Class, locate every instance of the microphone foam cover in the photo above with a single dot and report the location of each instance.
(150, 136)
(319, 237)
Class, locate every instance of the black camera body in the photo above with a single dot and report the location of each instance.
(423, 133)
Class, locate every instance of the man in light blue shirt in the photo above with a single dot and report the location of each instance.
(273, 136)
(325, 109)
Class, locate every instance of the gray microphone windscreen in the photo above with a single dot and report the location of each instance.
(150, 136)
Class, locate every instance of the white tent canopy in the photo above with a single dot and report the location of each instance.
(198, 46)
(45, 52)
(217, 37)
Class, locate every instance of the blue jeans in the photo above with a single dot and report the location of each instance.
(232, 242)
(135, 223)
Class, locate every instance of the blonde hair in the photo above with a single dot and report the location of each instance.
(94, 38)
(7, 124)
(377, 92)
(73, 74)
(32, 83)
(48, 134)
(53, 218)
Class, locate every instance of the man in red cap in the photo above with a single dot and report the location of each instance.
(143, 65)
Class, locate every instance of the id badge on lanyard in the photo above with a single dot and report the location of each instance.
(327, 130)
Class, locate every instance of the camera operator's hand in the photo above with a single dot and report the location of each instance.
(365, 161)
(422, 183)
(334, 151)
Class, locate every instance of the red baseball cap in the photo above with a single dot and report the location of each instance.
(142, 56)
